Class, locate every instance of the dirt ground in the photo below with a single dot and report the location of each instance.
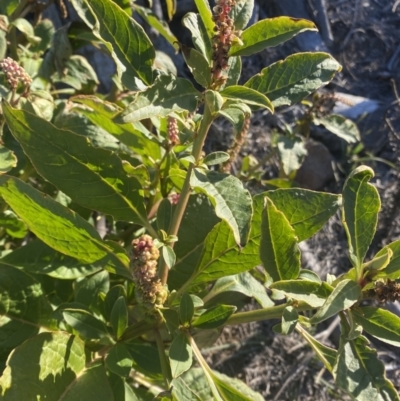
(366, 41)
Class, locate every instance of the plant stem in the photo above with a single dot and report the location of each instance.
(274, 312)
(163, 359)
(185, 193)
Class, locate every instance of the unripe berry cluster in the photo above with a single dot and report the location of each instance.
(149, 291)
(222, 40)
(15, 74)
(173, 133)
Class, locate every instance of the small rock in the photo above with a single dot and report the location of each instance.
(316, 170)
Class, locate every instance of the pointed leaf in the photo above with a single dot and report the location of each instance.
(248, 96)
(220, 255)
(198, 65)
(234, 389)
(23, 308)
(166, 95)
(7, 160)
(59, 227)
(180, 355)
(214, 317)
(160, 25)
(233, 71)
(232, 202)
(86, 324)
(135, 136)
(269, 32)
(241, 13)
(243, 283)
(361, 205)
(119, 317)
(343, 296)
(119, 360)
(37, 257)
(186, 309)
(292, 152)
(311, 292)
(191, 238)
(55, 365)
(359, 372)
(200, 39)
(206, 16)
(216, 158)
(129, 45)
(279, 251)
(380, 323)
(291, 80)
(307, 211)
(325, 354)
(392, 270)
(340, 126)
(92, 177)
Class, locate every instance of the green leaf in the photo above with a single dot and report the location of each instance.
(145, 358)
(248, 96)
(186, 309)
(86, 325)
(13, 226)
(216, 158)
(60, 228)
(160, 26)
(23, 308)
(290, 318)
(243, 283)
(291, 153)
(378, 262)
(191, 236)
(325, 354)
(361, 205)
(231, 201)
(359, 372)
(233, 71)
(92, 177)
(119, 317)
(126, 40)
(340, 126)
(87, 290)
(311, 292)
(198, 65)
(8, 160)
(135, 136)
(168, 255)
(279, 250)
(343, 296)
(392, 270)
(380, 323)
(214, 317)
(269, 32)
(206, 16)
(180, 355)
(37, 257)
(164, 215)
(220, 255)
(119, 360)
(289, 81)
(234, 389)
(200, 39)
(307, 211)
(55, 365)
(241, 13)
(192, 386)
(26, 28)
(168, 94)
(111, 298)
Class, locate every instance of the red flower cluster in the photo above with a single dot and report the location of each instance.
(222, 40)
